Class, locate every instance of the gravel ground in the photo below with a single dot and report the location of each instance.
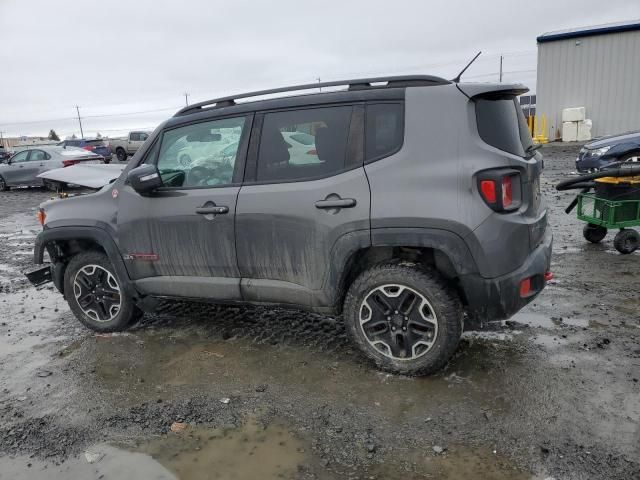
(262, 393)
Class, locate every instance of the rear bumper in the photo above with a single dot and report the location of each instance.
(499, 298)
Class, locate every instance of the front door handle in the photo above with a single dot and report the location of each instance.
(336, 203)
(217, 210)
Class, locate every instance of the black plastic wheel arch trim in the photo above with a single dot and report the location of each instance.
(97, 235)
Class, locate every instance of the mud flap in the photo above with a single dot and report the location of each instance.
(40, 276)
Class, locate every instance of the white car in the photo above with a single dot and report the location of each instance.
(302, 148)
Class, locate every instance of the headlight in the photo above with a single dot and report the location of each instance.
(598, 152)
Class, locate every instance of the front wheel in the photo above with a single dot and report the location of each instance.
(594, 233)
(3, 185)
(121, 154)
(404, 317)
(626, 241)
(95, 294)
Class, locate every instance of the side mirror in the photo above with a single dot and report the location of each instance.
(145, 179)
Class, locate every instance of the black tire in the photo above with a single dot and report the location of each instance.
(626, 241)
(107, 161)
(443, 303)
(50, 186)
(121, 154)
(78, 284)
(594, 233)
(3, 185)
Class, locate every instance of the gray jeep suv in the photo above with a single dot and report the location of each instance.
(402, 203)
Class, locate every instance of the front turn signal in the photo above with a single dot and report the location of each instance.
(41, 216)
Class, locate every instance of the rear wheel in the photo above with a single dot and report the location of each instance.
(626, 241)
(3, 185)
(95, 294)
(404, 318)
(121, 154)
(594, 233)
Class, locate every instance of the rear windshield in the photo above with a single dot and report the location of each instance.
(501, 124)
(95, 143)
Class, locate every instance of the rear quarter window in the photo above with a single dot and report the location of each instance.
(501, 124)
(384, 130)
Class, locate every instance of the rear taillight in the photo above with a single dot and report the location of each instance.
(488, 190)
(507, 191)
(68, 163)
(500, 189)
(88, 147)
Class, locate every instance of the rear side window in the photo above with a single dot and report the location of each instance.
(384, 131)
(324, 133)
(501, 124)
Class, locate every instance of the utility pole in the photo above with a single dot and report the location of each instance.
(80, 121)
(186, 101)
(501, 57)
(1, 138)
(319, 79)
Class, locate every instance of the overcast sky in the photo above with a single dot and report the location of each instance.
(115, 58)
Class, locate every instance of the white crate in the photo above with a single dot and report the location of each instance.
(576, 114)
(584, 130)
(569, 131)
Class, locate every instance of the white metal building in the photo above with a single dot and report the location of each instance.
(594, 67)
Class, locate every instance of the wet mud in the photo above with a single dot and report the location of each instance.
(265, 393)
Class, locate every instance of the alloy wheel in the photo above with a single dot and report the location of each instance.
(97, 292)
(398, 322)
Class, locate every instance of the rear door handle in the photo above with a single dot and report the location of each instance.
(212, 210)
(336, 203)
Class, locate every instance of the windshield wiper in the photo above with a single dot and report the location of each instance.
(531, 149)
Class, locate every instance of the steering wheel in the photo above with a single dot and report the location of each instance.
(198, 176)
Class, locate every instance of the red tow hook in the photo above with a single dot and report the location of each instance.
(548, 276)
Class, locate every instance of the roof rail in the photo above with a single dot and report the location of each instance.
(357, 84)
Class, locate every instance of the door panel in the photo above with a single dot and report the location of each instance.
(282, 235)
(15, 173)
(180, 241)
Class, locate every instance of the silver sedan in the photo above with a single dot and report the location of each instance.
(23, 168)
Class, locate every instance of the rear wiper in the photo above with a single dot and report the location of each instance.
(531, 149)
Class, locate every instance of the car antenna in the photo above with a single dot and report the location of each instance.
(457, 78)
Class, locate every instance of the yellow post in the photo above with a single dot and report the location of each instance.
(540, 134)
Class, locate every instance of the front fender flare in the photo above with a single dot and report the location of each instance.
(94, 234)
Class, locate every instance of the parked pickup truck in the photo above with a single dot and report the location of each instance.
(127, 146)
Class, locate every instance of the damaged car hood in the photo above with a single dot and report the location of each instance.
(91, 176)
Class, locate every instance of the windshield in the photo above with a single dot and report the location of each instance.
(501, 124)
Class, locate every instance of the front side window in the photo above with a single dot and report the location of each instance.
(384, 131)
(303, 144)
(202, 154)
(20, 157)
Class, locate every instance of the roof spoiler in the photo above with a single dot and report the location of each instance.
(471, 90)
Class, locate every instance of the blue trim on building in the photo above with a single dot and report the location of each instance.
(588, 32)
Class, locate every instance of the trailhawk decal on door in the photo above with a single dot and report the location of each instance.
(149, 257)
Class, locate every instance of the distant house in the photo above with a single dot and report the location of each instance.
(10, 142)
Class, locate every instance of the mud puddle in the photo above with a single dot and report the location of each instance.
(193, 453)
(456, 462)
